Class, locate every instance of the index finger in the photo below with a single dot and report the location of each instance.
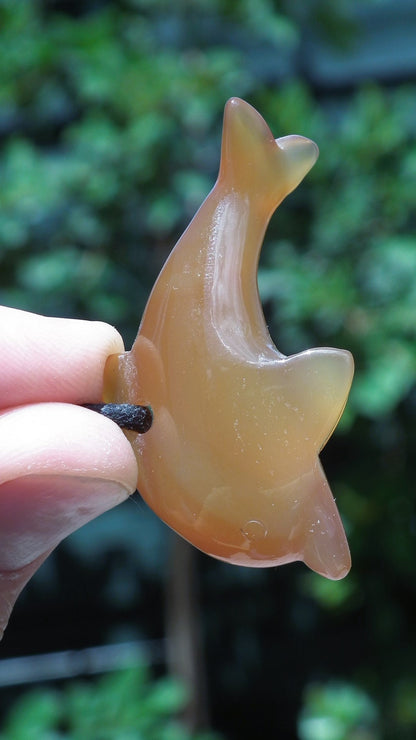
(50, 359)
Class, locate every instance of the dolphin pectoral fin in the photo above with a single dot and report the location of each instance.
(319, 381)
(325, 547)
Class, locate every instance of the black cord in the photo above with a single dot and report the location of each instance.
(126, 415)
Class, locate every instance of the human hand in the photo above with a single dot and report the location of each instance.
(60, 465)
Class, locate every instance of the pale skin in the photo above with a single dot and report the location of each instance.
(60, 465)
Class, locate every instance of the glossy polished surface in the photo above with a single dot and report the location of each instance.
(231, 461)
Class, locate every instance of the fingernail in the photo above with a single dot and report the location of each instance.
(37, 512)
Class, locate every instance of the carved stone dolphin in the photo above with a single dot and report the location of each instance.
(231, 461)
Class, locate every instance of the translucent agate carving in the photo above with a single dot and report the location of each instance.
(231, 461)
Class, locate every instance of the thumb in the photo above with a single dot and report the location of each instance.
(61, 466)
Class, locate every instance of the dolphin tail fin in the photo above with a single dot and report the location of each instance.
(253, 161)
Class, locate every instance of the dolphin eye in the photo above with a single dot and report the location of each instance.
(229, 458)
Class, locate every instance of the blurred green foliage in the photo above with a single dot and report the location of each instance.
(127, 705)
(110, 121)
(338, 712)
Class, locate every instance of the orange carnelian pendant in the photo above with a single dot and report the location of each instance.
(231, 461)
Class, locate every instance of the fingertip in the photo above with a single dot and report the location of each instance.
(105, 337)
(53, 359)
(80, 363)
(61, 466)
(64, 439)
